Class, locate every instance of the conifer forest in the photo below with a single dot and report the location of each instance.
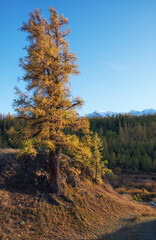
(128, 142)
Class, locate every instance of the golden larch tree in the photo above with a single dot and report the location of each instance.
(47, 104)
(97, 155)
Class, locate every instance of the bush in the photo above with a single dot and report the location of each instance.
(110, 176)
(137, 197)
(117, 170)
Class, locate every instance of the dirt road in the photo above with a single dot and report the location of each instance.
(144, 229)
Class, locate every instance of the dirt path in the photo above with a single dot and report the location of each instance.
(144, 229)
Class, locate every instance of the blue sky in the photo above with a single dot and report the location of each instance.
(115, 42)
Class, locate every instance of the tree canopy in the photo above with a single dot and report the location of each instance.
(47, 103)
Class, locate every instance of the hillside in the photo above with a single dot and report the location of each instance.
(85, 210)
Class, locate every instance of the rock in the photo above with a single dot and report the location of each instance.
(153, 203)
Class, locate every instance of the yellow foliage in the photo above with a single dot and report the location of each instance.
(47, 104)
(28, 148)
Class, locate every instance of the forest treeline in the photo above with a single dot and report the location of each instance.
(6, 123)
(128, 142)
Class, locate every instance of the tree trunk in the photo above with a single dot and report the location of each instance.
(54, 171)
(96, 172)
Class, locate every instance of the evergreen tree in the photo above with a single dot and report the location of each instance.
(113, 160)
(146, 163)
(96, 152)
(135, 163)
(154, 164)
(47, 104)
(105, 153)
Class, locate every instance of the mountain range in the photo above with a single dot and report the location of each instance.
(132, 112)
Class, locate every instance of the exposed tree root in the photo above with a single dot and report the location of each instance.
(67, 199)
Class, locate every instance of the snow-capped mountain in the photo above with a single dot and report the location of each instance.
(102, 114)
(132, 112)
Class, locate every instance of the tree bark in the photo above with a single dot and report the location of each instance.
(54, 171)
(96, 172)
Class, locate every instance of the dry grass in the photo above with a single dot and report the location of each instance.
(145, 189)
(27, 215)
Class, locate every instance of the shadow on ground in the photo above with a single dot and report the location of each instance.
(145, 230)
(25, 175)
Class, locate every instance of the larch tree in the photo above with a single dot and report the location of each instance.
(47, 104)
(96, 152)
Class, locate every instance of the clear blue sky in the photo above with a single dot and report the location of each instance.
(115, 42)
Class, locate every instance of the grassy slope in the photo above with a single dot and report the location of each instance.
(29, 214)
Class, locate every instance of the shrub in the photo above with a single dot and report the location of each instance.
(110, 176)
(117, 170)
(137, 197)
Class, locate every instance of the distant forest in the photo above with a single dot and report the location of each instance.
(6, 122)
(129, 142)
